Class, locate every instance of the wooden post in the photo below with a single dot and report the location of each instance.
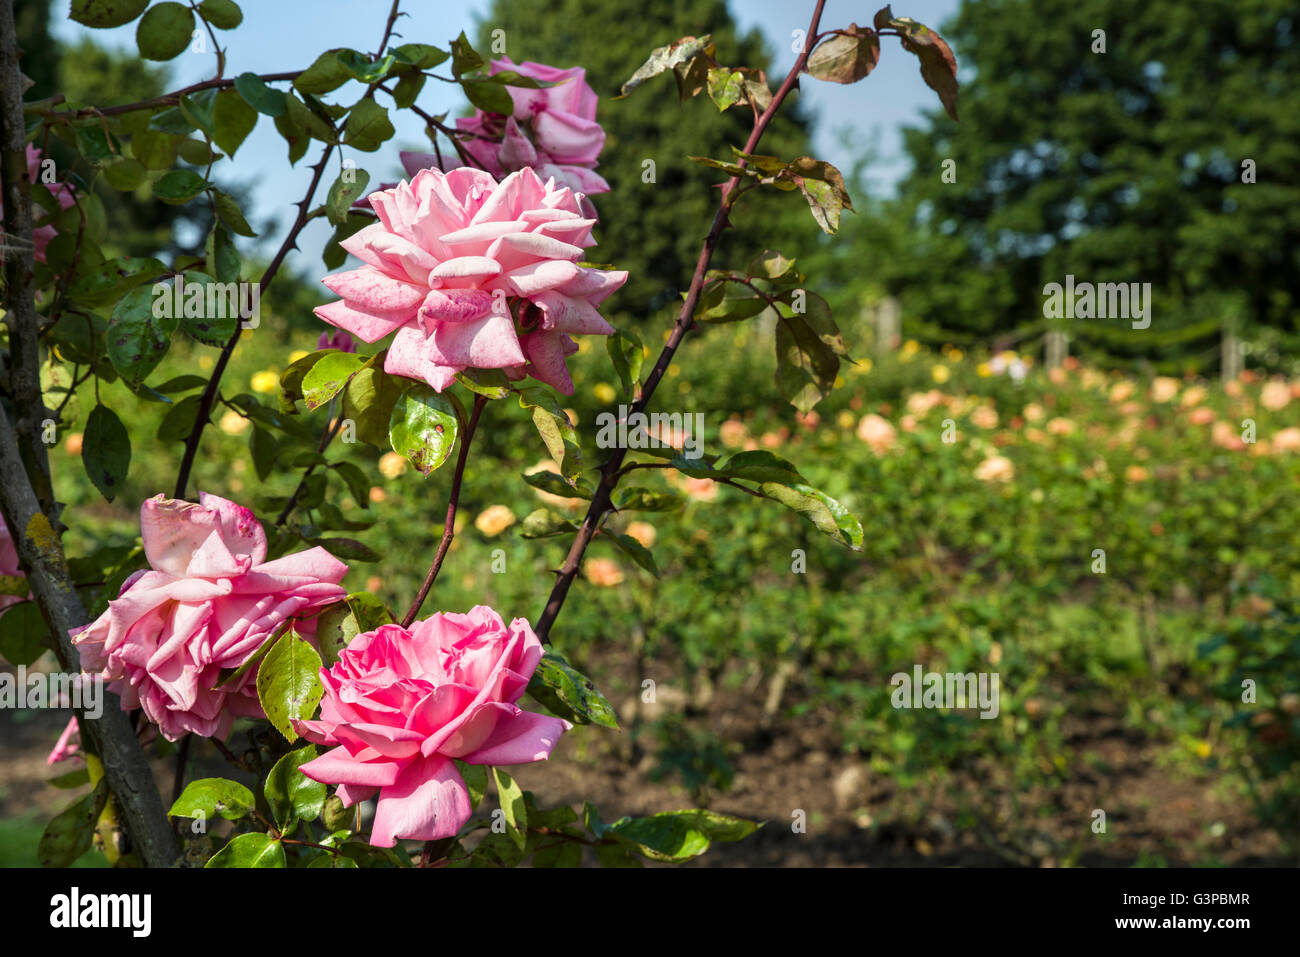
(1056, 346)
(888, 325)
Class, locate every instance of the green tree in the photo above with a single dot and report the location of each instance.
(1117, 166)
(641, 224)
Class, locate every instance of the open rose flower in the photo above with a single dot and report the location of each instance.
(399, 705)
(207, 603)
(553, 129)
(472, 274)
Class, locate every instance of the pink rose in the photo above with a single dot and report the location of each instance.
(553, 130)
(473, 274)
(208, 603)
(399, 705)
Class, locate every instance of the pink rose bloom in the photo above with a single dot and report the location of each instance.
(209, 601)
(399, 705)
(473, 274)
(41, 235)
(553, 130)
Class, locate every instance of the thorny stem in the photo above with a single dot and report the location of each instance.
(214, 382)
(290, 242)
(453, 502)
(601, 501)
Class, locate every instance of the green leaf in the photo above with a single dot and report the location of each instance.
(106, 451)
(210, 797)
(164, 31)
(769, 264)
(646, 500)
(181, 383)
(179, 186)
(349, 548)
(125, 175)
(491, 383)
(420, 55)
(367, 127)
(107, 282)
(511, 796)
(489, 97)
(369, 401)
(806, 367)
(288, 683)
(229, 212)
(292, 795)
(347, 189)
(179, 420)
(294, 133)
(71, 832)
(627, 354)
(550, 482)
(556, 430)
(357, 481)
(759, 465)
(423, 427)
(249, 850)
(475, 776)
(222, 14)
(846, 57)
(264, 450)
(219, 318)
(333, 861)
(106, 14)
(718, 827)
(407, 90)
(155, 149)
(325, 74)
(265, 99)
(819, 508)
(70, 780)
(664, 58)
(300, 112)
(570, 694)
(328, 377)
(291, 378)
(726, 87)
(673, 836)
(96, 144)
(543, 523)
(233, 119)
(223, 262)
(632, 549)
(23, 635)
(464, 58)
(365, 69)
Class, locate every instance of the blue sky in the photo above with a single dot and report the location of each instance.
(279, 35)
